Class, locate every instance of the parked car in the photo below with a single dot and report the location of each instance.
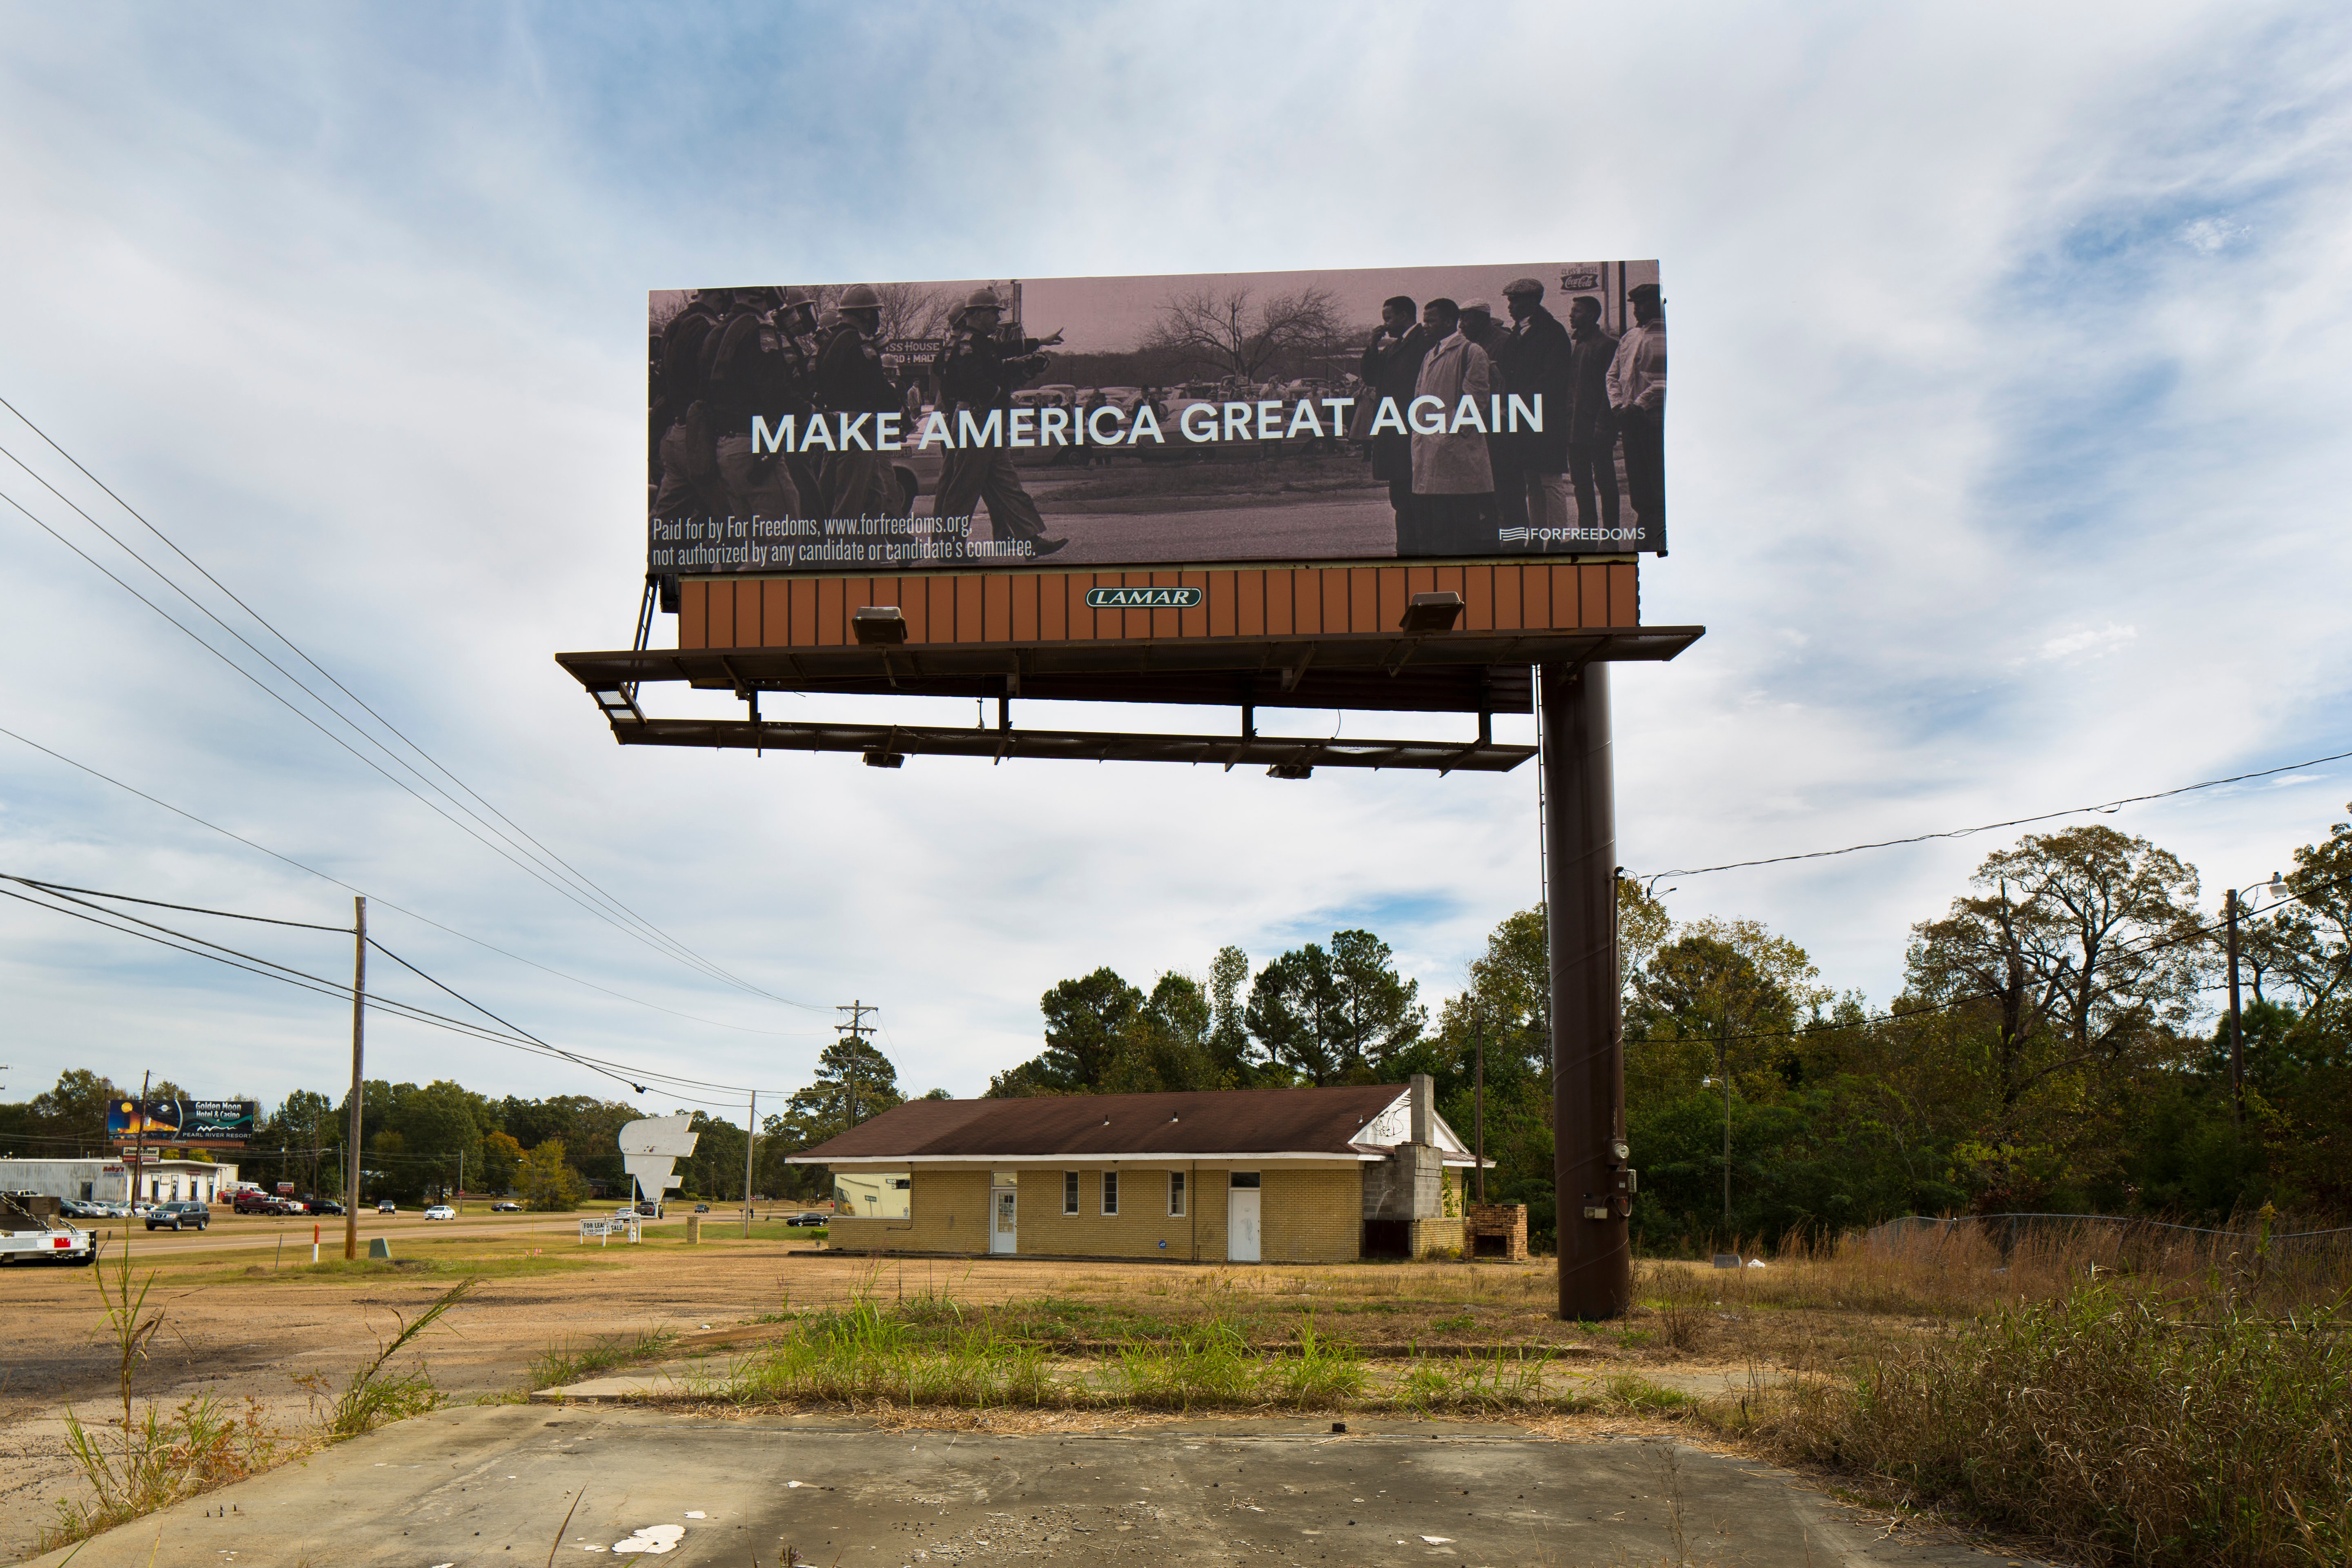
(810, 1217)
(179, 1216)
(250, 1201)
(506, 1205)
(440, 1211)
(387, 1207)
(291, 1206)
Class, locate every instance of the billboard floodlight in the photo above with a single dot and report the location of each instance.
(1431, 612)
(879, 624)
(1291, 771)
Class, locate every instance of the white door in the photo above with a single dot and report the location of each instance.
(1001, 1229)
(1240, 1225)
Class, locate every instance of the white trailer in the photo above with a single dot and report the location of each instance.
(32, 1232)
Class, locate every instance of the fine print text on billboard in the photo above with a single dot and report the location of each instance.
(1457, 413)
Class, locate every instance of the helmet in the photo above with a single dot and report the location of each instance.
(860, 297)
(983, 299)
(794, 298)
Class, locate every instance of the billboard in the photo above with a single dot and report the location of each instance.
(182, 1121)
(1375, 415)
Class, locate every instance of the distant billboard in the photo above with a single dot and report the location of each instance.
(182, 1121)
(1374, 415)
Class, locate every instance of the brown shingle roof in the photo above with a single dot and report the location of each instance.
(1210, 1121)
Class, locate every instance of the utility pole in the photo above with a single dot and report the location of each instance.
(2237, 1045)
(461, 1181)
(750, 1131)
(359, 1038)
(857, 1029)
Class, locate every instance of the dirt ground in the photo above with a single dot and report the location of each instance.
(246, 1316)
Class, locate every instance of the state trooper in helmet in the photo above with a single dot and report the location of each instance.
(795, 324)
(753, 372)
(978, 371)
(851, 381)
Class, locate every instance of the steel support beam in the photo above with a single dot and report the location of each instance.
(1588, 1051)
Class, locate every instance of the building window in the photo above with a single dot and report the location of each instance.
(1069, 1192)
(1176, 1193)
(1245, 1179)
(1110, 1192)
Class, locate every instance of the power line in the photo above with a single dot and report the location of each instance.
(518, 1038)
(426, 919)
(645, 930)
(1653, 878)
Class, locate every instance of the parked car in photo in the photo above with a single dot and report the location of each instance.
(179, 1216)
(291, 1206)
(251, 1200)
(506, 1205)
(810, 1217)
(440, 1211)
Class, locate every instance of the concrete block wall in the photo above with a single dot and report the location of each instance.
(1310, 1216)
(948, 1213)
(1141, 1228)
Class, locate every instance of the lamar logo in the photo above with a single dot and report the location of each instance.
(1143, 599)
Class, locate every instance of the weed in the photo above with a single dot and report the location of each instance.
(374, 1397)
(2201, 1432)
(1629, 1391)
(158, 1459)
(570, 1361)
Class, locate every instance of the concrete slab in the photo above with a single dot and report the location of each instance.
(512, 1485)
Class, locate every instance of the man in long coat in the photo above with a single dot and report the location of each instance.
(1536, 361)
(1452, 481)
(1392, 363)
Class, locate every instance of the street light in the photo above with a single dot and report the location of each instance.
(2277, 889)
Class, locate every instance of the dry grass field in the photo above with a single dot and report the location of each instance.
(2127, 1397)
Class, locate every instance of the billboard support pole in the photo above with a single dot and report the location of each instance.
(359, 1037)
(1588, 1054)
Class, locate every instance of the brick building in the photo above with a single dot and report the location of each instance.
(1278, 1175)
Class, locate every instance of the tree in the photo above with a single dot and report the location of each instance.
(1235, 332)
(549, 1183)
(1228, 1024)
(855, 1082)
(2070, 964)
(77, 1107)
(501, 1162)
(1165, 1044)
(1335, 1016)
(1086, 1021)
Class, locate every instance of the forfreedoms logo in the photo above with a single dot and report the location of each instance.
(1567, 535)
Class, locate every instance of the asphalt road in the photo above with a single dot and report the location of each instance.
(229, 1232)
(512, 1485)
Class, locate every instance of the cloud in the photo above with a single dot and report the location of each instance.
(1980, 349)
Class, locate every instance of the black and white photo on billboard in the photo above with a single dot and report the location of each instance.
(1434, 413)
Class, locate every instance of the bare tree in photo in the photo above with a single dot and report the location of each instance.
(1234, 333)
(913, 313)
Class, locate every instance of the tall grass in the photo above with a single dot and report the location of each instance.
(571, 1360)
(2201, 1432)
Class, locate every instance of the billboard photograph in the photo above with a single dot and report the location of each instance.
(1444, 413)
(182, 1121)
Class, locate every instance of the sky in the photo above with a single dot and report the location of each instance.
(2006, 454)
